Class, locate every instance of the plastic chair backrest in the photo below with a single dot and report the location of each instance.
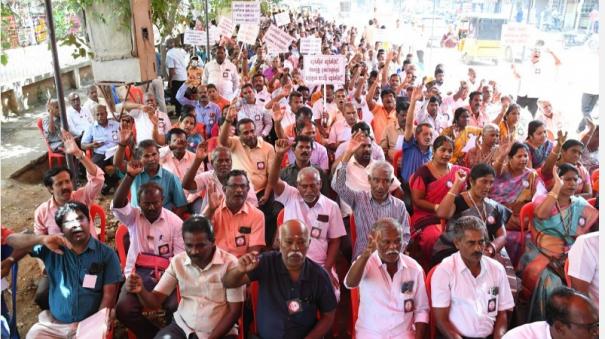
(397, 161)
(526, 217)
(121, 233)
(254, 299)
(427, 283)
(212, 144)
(354, 309)
(592, 202)
(51, 154)
(284, 161)
(98, 211)
(280, 217)
(567, 277)
(352, 229)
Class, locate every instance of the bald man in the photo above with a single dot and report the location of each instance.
(292, 288)
(306, 203)
(569, 314)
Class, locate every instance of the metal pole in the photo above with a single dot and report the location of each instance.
(207, 33)
(58, 85)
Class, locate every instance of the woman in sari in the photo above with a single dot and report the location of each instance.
(429, 185)
(515, 185)
(539, 145)
(461, 133)
(567, 152)
(509, 124)
(559, 218)
(484, 151)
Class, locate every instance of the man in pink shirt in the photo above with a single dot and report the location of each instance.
(176, 159)
(478, 117)
(59, 183)
(153, 230)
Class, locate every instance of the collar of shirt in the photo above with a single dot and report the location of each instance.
(243, 210)
(319, 204)
(217, 259)
(304, 272)
(162, 216)
(461, 266)
(387, 201)
(157, 175)
(401, 265)
(259, 141)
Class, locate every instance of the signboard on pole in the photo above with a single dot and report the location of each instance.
(225, 26)
(194, 37)
(247, 33)
(310, 46)
(245, 12)
(282, 19)
(277, 40)
(515, 33)
(325, 69)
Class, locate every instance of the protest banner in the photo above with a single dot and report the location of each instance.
(515, 33)
(310, 46)
(194, 37)
(247, 33)
(282, 19)
(277, 40)
(325, 69)
(225, 26)
(245, 12)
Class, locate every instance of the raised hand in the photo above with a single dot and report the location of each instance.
(201, 152)
(282, 146)
(124, 135)
(54, 243)
(416, 93)
(278, 114)
(561, 137)
(372, 245)
(232, 113)
(460, 178)
(134, 283)
(148, 109)
(558, 182)
(154, 120)
(69, 144)
(248, 262)
(215, 198)
(356, 141)
(134, 168)
(504, 148)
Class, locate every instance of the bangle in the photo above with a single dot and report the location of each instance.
(123, 145)
(553, 195)
(436, 207)
(82, 155)
(452, 194)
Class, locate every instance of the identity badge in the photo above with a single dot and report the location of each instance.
(240, 241)
(407, 286)
(315, 232)
(408, 305)
(294, 306)
(164, 249)
(491, 305)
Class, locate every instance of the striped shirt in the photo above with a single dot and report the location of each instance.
(263, 122)
(367, 210)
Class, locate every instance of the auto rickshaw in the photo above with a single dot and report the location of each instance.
(480, 36)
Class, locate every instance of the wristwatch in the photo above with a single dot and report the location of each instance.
(82, 155)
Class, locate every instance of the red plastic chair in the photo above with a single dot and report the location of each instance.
(526, 217)
(98, 211)
(567, 277)
(352, 229)
(284, 161)
(432, 325)
(51, 154)
(354, 309)
(121, 233)
(280, 217)
(397, 162)
(592, 202)
(254, 299)
(212, 144)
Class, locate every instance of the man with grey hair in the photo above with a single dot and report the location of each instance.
(369, 206)
(404, 310)
(148, 117)
(470, 292)
(306, 203)
(100, 137)
(197, 182)
(78, 117)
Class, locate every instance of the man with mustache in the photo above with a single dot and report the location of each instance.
(305, 202)
(223, 73)
(58, 182)
(255, 111)
(416, 144)
(293, 290)
(477, 296)
(240, 226)
(478, 116)
(77, 263)
(341, 129)
(302, 150)
(153, 230)
(403, 310)
(206, 112)
(146, 116)
(196, 273)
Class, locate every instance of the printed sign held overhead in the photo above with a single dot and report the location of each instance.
(277, 40)
(225, 26)
(282, 19)
(247, 33)
(245, 12)
(325, 69)
(310, 46)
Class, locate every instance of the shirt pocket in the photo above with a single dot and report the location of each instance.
(216, 292)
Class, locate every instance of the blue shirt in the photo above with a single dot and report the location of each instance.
(173, 193)
(312, 292)
(413, 158)
(209, 115)
(69, 300)
(107, 134)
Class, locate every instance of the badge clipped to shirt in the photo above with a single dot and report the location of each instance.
(260, 165)
(491, 305)
(294, 306)
(491, 219)
(408, 306)
(582, 221)
(494, 291)
(525, 183)
(226, 74)
(90, 281)
(407, 286)
(164, 249)
(240, 241)
(257, 117)
(449, 184)
(315, 232)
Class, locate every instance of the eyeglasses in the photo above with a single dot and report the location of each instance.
(589, 327)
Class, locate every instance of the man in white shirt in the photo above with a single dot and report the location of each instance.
(331, 110)
(470, 292)
(222, 73)
(93, 99)
(176, 62)
(206, 308)
(78, 118)
(393, 300)
(432, 114)
(584, 265)
(569, 314)
(341, 129)
(376, 150)
(255, 111)
(456, 100)
(262, 95)
(143, 115)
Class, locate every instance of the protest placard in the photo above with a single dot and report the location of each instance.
(277, 40)
(247, 33)
(245, 12)
(515, 33)
(225, 26)
(325, 69)
(282, 19)
(194, 37)
(310, 46)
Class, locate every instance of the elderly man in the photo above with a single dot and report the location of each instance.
(222, 73)
(477, 296)
(341, 129)
(153, 230)
(306, 203)
(102, 136)
(256, 112)
(78, 117)
(416, 141)
(296, 299)
(369, 206)
(569, 314)
(79, 264)
(206, 112)
(146, 115)
(51, 126)
(196, 272)
(240, 226)
(389, 308)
